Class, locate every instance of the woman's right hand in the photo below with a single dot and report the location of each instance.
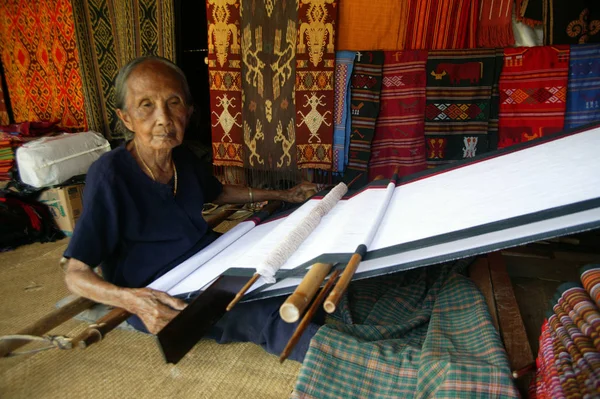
(155, 308)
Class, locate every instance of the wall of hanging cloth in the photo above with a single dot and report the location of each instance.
(568, 362)
(110, 33)
(4, 117)
(41, 62)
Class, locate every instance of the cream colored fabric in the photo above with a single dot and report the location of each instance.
(126, 364)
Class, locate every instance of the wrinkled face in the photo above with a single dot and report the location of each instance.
(155, 108)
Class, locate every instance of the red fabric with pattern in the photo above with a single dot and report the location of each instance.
(41, 63)
(399, 132)
(533, 90)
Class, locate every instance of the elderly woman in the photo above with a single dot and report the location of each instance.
(143, 211)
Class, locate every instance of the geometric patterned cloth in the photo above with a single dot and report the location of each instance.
(442, 24)
(460, 107)
(41, 63)
(4, 119)
(399, 132)
(583, 93)
(568, 362)
(268, 69)
(344, 63)
(225, 82)
(365, 86)
(110, 33)
(533, 90)
(416, 334)
(315, 69)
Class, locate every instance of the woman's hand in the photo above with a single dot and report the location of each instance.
(155, 308)
(300, 193)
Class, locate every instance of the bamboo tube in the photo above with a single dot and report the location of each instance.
(95, 332)
(308, 317)
(336, 294)
(296, 303)
(47, 323)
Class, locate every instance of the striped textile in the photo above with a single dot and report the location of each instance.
(344, 64)
(110, 33)
(495, 24)
(416, 334)
(583, 92)
(399, 132)
(533, 90)
(366, 87)
(460, 111)
(442, 24)
(568, 362)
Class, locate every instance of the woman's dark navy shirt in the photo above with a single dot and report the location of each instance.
(134, 226)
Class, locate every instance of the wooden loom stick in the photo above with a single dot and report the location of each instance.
(308, 317)
(243, 291)
(47, 323)
(296, 303)
(336, 294)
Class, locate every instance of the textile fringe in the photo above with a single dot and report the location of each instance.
(495, 36)
(282, 180)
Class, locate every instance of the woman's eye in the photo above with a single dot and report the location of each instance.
(175, 102)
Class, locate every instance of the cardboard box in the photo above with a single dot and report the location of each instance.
(66, 205)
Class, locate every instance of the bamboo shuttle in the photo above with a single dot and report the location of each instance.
(336, 294)
(308, 317)
(294, 306)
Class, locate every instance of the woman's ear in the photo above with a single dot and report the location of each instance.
(124, 117)
(190, 112)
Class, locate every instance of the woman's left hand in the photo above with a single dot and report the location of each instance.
(300, 193)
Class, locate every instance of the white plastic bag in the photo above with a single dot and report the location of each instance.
(53, 160)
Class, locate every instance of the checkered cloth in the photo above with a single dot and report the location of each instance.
(420, 333)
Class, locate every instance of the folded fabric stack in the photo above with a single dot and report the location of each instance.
(8, 143)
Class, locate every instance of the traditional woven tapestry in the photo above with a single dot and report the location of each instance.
(365, 85)
(459, 104)
(568, 362)
(495, 24)
(533, 90)
(344, 63)
(110, 33)
(365, 25)
(269, 35)
(583, 90)
(41, 62)
(315, 66)
(442, 24)
(399, 131)
(416, 334)
(4, 119)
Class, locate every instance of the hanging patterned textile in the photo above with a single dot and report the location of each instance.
(269, 33)
(565, 22)
(4, 119)
(315, 67)
(399, 131)
(568, 362)
(460, 109)
(583, 92)
(362, 27)
(495, 24)
(41, 62)
(533, 89)
(442, 24)
(344, 63)
(110, 33)
(365, 85)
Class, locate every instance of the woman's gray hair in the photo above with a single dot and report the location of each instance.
(121, 88)
(125, 72)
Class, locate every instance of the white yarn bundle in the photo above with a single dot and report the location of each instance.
(286, 247)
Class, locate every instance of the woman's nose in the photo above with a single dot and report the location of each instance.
(163, 115)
